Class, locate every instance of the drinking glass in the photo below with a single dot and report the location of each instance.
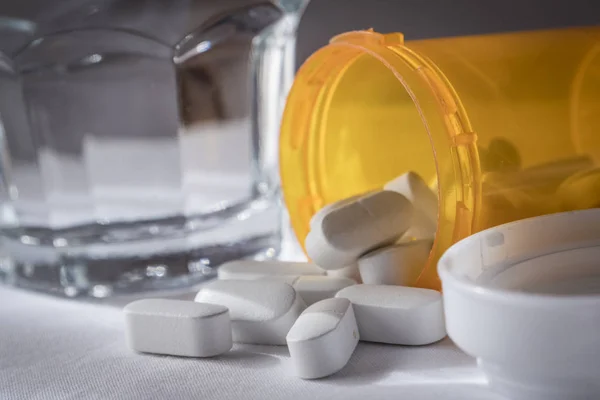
(139, 139)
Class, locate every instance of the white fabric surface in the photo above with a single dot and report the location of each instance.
(52, 348)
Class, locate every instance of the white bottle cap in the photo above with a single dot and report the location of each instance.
(524, 299)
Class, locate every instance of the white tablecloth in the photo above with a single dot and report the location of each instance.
(52, 348)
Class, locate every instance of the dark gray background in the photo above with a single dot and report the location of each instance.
(326, 18)
(436, 18)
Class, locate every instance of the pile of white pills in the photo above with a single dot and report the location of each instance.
(317, 309)
(386, 234)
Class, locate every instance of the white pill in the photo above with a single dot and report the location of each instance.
(399, 264)
(289, 279)
(415, 189)
(421, 227)
(396, 314)
(313, 288)
(354, 228)
(177, 327)
(250, 269)
(349, 271)
(262, 311)
(316, 288)
(323, 338)
(318, 217)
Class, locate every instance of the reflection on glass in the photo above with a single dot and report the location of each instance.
(140, 137)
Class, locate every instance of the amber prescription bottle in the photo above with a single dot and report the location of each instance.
(500, 125)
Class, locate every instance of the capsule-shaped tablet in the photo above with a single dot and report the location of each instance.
(318, 217)
(323, 338)
(313, 288)
(416, 190)
(177, 327)
(580, 191)
(250, 269)
(399, 264)
(354, 228)
(396, 314)
(502, 202)
(546, 178)
(529, 192)
(289, 279)
(262, 311)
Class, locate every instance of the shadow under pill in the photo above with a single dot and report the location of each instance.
(373, 362)
(238, 358)
(246, 358)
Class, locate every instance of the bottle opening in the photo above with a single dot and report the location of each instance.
(371, 132)
(365, 110)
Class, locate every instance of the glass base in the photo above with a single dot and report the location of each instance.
(99, 261)
(100, 278)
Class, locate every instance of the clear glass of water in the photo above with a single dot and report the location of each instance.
(139, 139)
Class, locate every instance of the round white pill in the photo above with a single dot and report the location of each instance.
(262, 311)
(354, 228)
(399, 264)
(396, 314)
(323, 338)
(177, 327)
(250, 269)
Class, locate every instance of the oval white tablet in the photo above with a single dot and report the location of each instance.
(396, 314)
(580, 191)
(355, 228)
(177, 327)
(323, 338)
(318, 217)
(399, 264)
(289, 279)
(261, 311)
(416, 190)
(316, 288)
(250, 269)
